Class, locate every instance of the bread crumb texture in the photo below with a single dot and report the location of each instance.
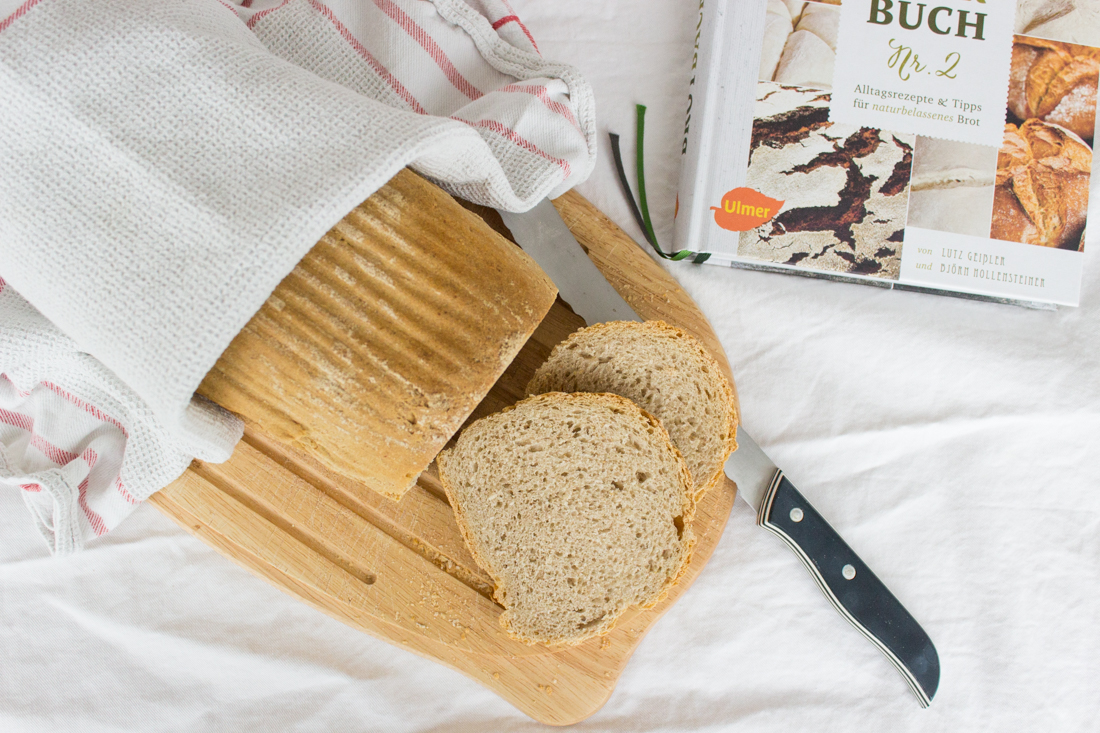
(665, 371)
(577, 505)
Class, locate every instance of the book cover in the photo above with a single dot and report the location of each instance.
(943, 146)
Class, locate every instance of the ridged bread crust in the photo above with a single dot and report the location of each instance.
(664, 370)
(375, 349)
(577, 505)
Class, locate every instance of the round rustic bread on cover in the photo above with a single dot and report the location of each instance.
(577, 505)
(1054, 82)
(1042, 191)
(666, 372)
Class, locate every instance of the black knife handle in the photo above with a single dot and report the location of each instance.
(850, 585)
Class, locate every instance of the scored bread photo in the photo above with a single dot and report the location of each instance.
(1042, 191)
(952, 186)
(1045, 162)
(664, 370)
(799, 43)
(577, 505)
(1054, 82)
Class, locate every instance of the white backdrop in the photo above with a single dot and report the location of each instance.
(952, 443)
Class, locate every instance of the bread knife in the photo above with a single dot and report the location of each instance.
(846, 581)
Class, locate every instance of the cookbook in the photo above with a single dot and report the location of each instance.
(942, 146)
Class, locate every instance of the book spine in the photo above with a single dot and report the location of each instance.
(718, 129)
(698, 130)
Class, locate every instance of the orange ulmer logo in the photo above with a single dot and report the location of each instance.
(743, 209)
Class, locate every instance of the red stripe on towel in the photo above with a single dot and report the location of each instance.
(17, 420)
(375, 64)
(544, 97)
(60, 456)
(515, 17)
(57, 455)
(98, 525)
(90, 409)
(428, 43)
(512, 136)
(125, 494)
(19, 13)
(256, 18)
(69, 397)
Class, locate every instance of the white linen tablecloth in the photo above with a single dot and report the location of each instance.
(952, 443)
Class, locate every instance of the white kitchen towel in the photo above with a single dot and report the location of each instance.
(164, 165)
(81, 446)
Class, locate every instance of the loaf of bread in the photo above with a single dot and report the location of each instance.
(799, 43)
(577, 505)
(663, 370)
(807, 61)
(1054, 82)
(1075, 21)
(1042, 190)
(821, 20)
(371, 354)
(952, 186)
(777, 26)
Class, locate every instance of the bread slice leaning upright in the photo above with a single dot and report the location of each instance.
(577, 505)
(664, 370)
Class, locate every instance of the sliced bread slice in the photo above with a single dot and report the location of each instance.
(577, 506)
(667, 372)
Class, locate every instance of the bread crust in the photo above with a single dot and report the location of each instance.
(533, 403)
(703, 363)
(1054, 82)
(1042, 190)
(371, 354)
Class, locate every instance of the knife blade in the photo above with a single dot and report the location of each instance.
(856, 592)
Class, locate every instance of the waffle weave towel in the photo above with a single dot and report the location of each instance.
(164, 165)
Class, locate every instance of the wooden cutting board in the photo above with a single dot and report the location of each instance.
(398, 570)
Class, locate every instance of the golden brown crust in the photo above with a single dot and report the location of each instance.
(1055, 82)
(1042, 186)
(369, 356)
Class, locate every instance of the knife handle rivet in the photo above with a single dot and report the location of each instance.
(796, 515)
(848, 572)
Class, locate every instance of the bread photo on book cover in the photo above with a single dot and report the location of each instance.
(1074, 21)
(577, 505)
(1043, 168)
(1042, 188)
(952, 186)
(799, 43)
(1034, 189)
(666, 372)
(845, 188)
(1054, 82)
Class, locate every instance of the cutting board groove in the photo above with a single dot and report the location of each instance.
(422, 521)
(399, 570)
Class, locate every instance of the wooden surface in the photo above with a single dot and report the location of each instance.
(399, 570)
